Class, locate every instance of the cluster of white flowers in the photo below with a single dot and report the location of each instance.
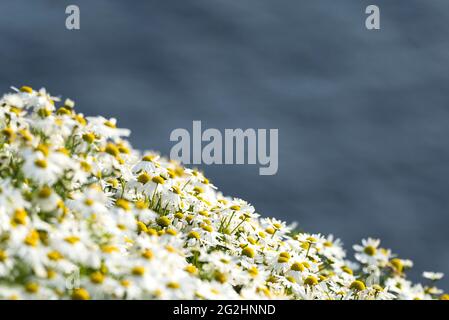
(78, 202)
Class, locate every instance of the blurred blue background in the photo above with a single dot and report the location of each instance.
(363, 116)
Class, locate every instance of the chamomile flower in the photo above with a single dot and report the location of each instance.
(79, 204)
(434, 276)
(106, 128)
(38, 168)
(370, 252)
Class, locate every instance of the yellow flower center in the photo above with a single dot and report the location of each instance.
(152, 232)
(32, 287)
(191, 269)
(297, 266)
(45, 193)
(193, 235)
(123, 203)
(8, 133)
(377, 288)
(112, 150)
(253, 271)
(311, 281)
(370, 250)
(347, 270)
(72, 239)
(64, 111)
(148, 158)
(54, 255)
(397, 264)
(357, 286)
(220, 277)
(125, 283)
(85, 166)
(80, 294)
(173, 285)
(285, 255)
(3, 256)
(171, 232)
(44, 112)
(110, 124)
(97, 277)
(89, 137)
(141, 227)
(148, 254)
(138, 271)
(26, 89)
(109, 249)
(179, 215)
(249, 252)
(251, 240)
(163, 221)
(141, 205)
(198, 189)
(207, 228)
(123, 149)
(143, 178)
(158, 180)
(20, 216)
(204, 213)
(41, 163)
(80, 119)
(32, 239)
(283, 260)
